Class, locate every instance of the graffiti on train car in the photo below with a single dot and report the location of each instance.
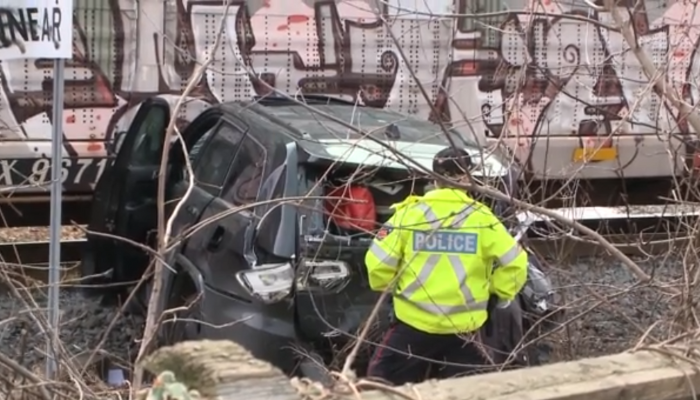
(509, 73)
(338, 48)
(560, 75)
(310, 50)
(114, 67)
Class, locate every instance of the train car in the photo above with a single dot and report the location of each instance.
(549, 80)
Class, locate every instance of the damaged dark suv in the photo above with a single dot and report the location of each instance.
(256, 259)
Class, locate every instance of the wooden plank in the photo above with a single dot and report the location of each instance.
(224, 369)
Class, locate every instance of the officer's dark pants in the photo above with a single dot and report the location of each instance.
(506, 335)
(401, 356)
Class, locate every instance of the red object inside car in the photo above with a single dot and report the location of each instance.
(352, 208)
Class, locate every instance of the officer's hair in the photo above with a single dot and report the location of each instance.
(452, 163)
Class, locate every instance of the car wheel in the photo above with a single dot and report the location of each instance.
(313, 368)
(138, 305)
(182, 311)
(178, 326)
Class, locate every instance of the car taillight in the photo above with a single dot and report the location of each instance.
(268, 283)
(322, 275)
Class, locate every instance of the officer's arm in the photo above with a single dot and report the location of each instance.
(510, 269)
(383, 259)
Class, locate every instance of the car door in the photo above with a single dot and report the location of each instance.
(124, 203)
(208, 164)
(222, 243)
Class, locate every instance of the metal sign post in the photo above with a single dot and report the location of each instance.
(54, 41)
(56, 200)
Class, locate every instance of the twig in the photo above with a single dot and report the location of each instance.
(116, 317)
(493, 193)
(649, 68)
(152, 317)
(138, 245)
(10, 363)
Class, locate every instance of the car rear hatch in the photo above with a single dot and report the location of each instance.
(333, 295)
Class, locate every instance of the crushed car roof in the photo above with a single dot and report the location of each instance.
(371, 120)
(418, 139)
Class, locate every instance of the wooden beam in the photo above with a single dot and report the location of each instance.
(226, 370)
(223, 369)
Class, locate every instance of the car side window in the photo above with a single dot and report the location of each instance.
(194, 152)
(147, 148)
(197, 147)
(243, 184)
(213, 155)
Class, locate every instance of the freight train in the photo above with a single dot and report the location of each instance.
(552, 82)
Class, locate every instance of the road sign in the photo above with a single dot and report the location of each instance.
(32, 29)
(36, 29)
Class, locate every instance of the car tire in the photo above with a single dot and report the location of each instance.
(174, 328)
(138, 305)
(313, 368)
(179, 325)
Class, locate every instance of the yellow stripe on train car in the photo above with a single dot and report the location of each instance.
(587, 154)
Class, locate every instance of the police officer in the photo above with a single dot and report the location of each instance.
(443, 255)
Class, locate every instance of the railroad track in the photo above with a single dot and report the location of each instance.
(27, 261)
(629, 244)
(37, 252)
(551, 244)
(634, 230)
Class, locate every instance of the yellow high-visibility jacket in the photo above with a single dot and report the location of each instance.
(440, 250)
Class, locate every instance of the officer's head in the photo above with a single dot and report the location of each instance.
(453, 164)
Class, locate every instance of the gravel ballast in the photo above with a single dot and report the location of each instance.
(614, 326)
(611, 327)
(83, 320)
(83, 323)
(609, 310)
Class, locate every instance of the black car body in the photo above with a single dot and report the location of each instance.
(252, 245)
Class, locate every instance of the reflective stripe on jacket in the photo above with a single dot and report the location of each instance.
(440, 251)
